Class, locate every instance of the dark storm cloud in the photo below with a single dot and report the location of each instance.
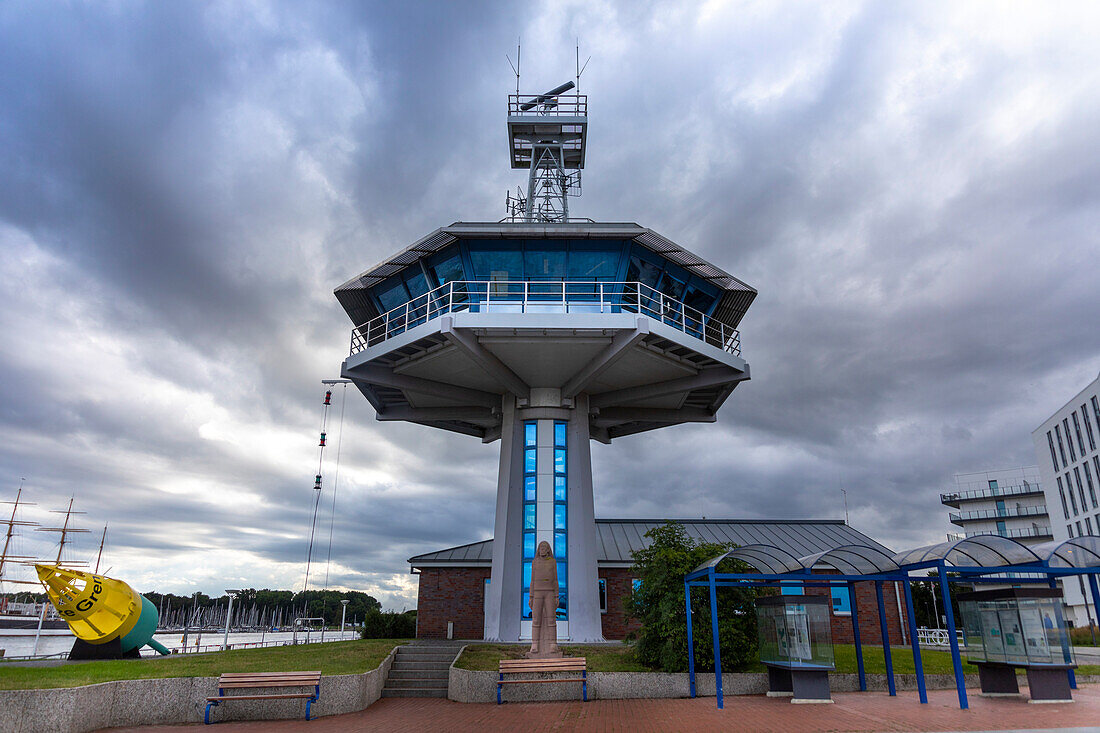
(912, 187)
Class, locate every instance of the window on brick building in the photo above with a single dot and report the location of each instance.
(603, 595)
(842, 601)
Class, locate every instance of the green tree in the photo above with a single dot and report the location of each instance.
(389, 625)
(658, 603)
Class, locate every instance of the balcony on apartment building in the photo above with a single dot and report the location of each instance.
(998, 513)
(1026, 488)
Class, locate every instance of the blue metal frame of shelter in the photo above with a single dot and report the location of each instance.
(970, 560)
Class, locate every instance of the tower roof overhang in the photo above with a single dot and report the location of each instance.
(736, 296)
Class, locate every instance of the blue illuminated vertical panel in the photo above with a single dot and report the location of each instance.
(561, 527)
(530, 466)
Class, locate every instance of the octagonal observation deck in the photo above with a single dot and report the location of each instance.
(546, 312)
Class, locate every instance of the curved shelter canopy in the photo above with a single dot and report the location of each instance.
(982, 551)
(1076, 552)
(766, 558)
(852, 560)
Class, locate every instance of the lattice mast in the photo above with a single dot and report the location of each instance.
(547, 135)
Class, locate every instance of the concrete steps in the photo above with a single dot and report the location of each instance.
(421, 669)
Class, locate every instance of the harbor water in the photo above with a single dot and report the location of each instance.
(20, 642)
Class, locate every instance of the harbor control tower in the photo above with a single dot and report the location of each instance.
(545, 332)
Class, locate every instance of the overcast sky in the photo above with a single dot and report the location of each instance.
(912, 187)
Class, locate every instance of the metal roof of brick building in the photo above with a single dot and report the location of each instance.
(618, 539)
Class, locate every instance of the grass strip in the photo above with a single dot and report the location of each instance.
(620, 658)
(335, 657)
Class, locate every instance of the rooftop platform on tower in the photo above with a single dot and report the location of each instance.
(546, 118)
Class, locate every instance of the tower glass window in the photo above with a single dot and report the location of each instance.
(530, 466)
(1088, 480)
(1053, 455)
(1069, 439)
(1069, 490)
(1095, 410)
(1088, 427)
(1077, 431)
(1080, 487)
(1062, 493)
(561, 527)
(1061, 446)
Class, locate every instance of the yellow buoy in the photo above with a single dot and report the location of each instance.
(99, 609)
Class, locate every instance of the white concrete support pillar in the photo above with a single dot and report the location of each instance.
(585, 621)
(502, 607)
(504, 599)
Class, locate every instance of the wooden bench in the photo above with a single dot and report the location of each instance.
(266, 680)
(536, 666)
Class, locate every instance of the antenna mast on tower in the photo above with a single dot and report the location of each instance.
(547, 135)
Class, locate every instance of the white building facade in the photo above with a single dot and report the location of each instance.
(1008, 503)
(1066, 446)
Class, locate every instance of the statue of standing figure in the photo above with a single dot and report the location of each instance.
(544, 604)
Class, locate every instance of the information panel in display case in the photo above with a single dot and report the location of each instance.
(1019, 626)
(794, 631)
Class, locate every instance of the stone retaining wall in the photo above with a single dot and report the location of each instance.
(470, 686)
(171, 701)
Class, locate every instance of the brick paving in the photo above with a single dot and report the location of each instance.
(867, 711)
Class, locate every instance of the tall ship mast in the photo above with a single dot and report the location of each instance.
(6, 558)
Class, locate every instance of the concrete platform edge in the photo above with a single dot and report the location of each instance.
(174, 700)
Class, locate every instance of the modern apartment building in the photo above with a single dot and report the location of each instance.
(1066, 446)
(1009, 503)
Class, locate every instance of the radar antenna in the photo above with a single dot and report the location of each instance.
(547, 134)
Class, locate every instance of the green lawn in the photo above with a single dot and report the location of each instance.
(620, 658)
(337, 657)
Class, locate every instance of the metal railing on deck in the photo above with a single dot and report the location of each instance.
(1023, 511)
(542, 105)
(1021, 532)
(521, 296)
(988, 493)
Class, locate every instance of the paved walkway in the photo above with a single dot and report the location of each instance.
(867, 711)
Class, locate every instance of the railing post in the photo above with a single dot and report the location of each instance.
(714, 635)
(911, 620)
(691, 642)
(884, 632)
(956, 659)
(855, 636)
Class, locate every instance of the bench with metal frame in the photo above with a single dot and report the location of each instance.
(266, 680)
(539, 666)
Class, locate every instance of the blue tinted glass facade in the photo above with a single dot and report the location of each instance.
(535, 260)
(530, 464)
(545, 517)
(561, 535)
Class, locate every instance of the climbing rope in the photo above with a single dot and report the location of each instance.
(317, 484)
(336, 479)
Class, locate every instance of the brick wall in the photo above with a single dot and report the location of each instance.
(458, 595)
(616, 624)
(451, 595)
(867, 610)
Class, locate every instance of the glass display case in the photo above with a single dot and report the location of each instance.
(1018, 626)
(796, 646)
(795, 631)
(1010, 628)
